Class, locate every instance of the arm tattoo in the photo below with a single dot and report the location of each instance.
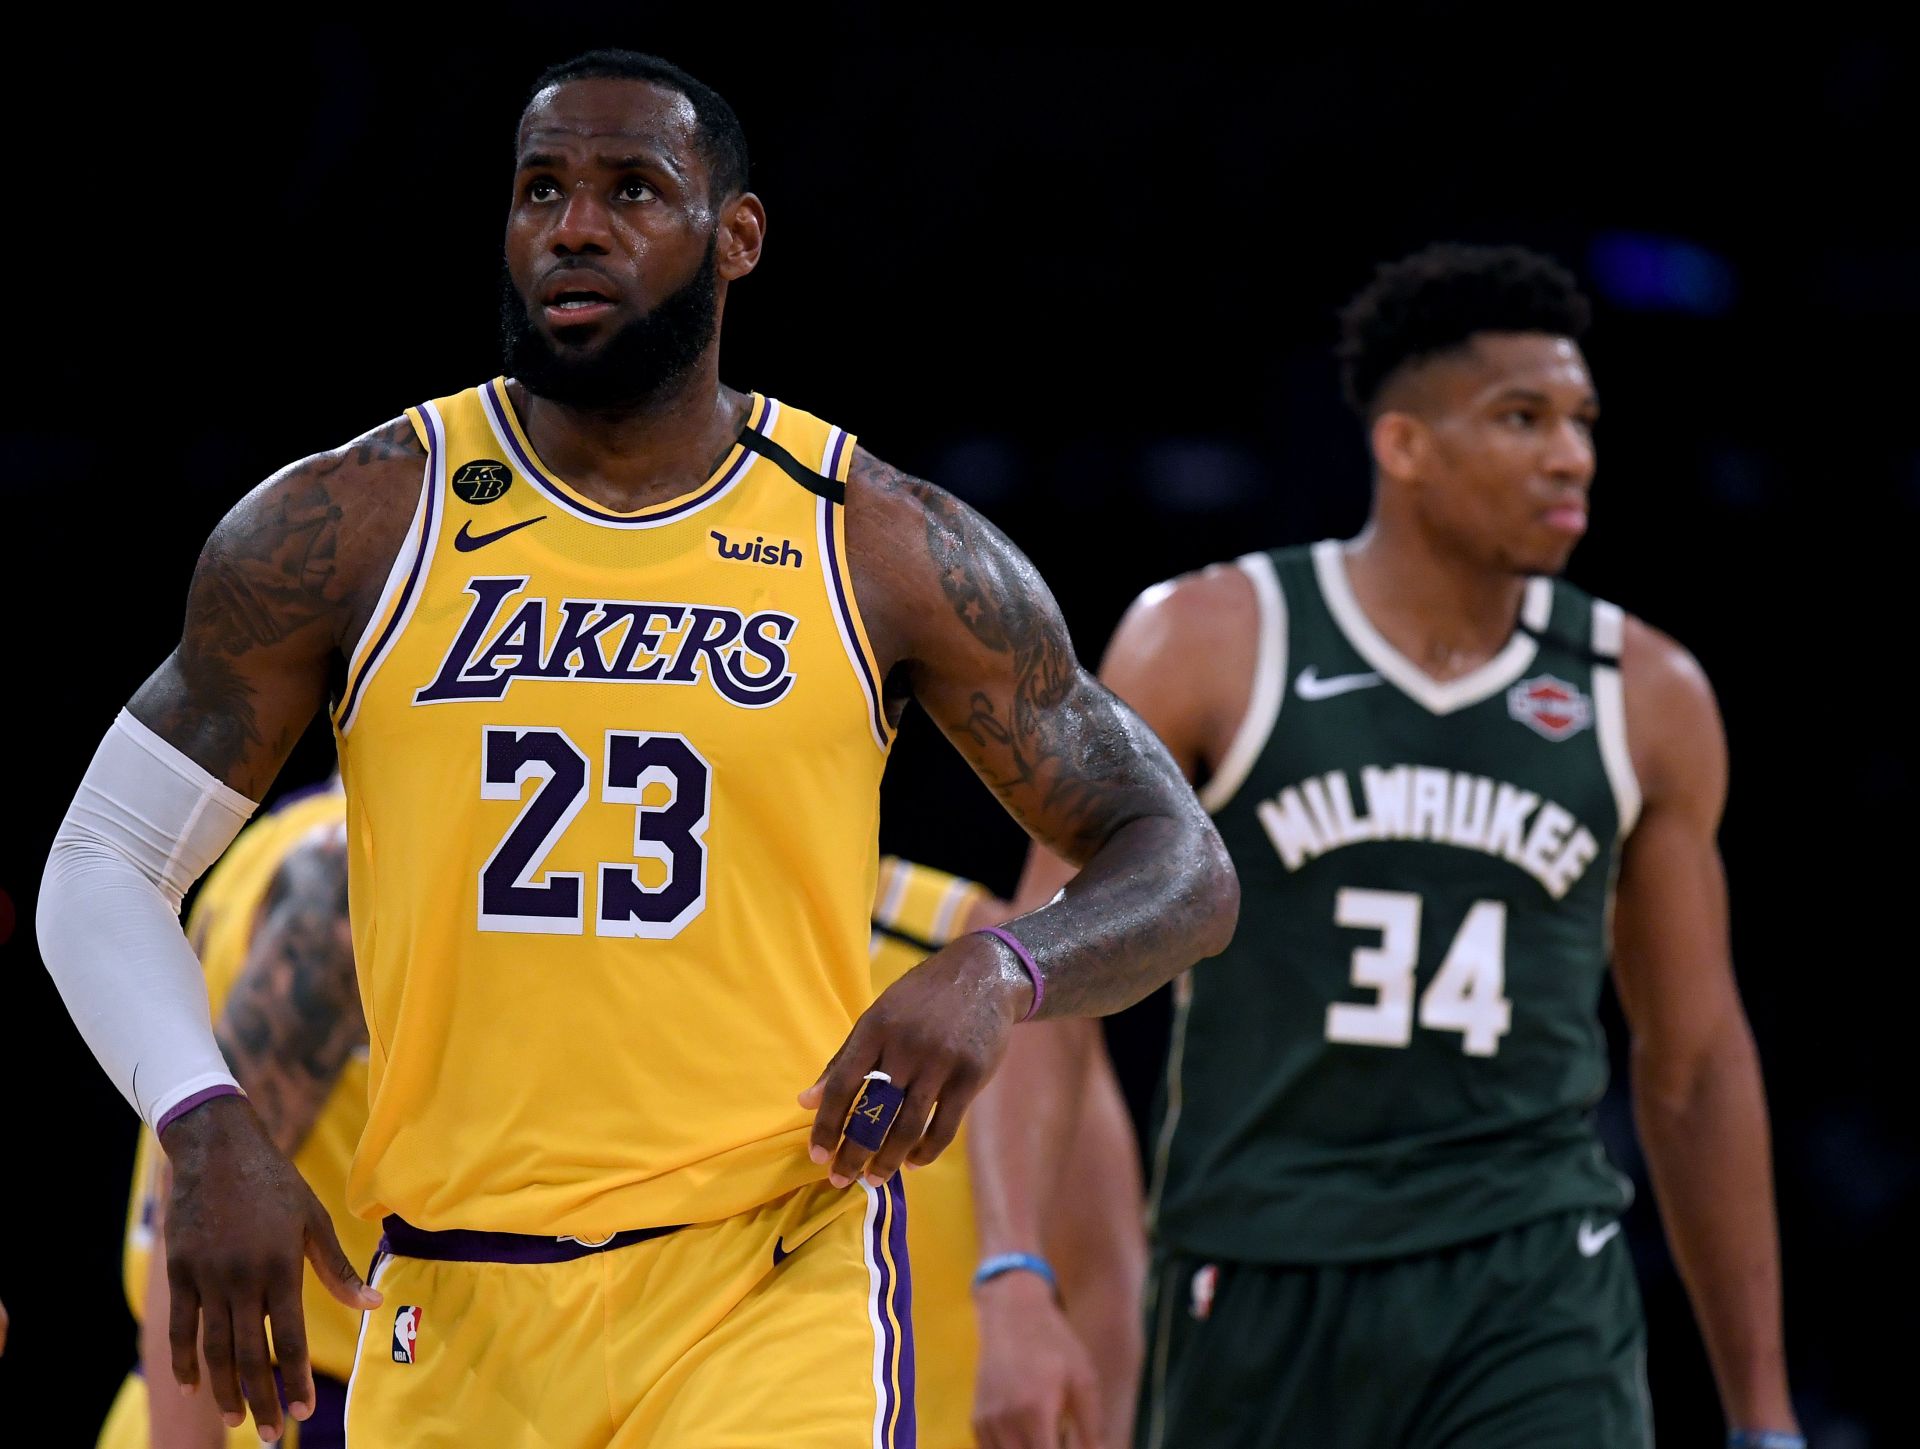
(1056, 754)
(270, 571)
(1074, 765)
(294, 1015)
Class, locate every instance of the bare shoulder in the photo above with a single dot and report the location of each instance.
(1674, 732)
(1183, 656)
(912, 545)
(1211, 609)
(286, 580)
(319, 514)
(303, 546)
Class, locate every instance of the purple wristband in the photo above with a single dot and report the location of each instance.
(1012, 942)
(187, 1104)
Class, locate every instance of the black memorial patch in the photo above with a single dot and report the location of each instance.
(482, 481)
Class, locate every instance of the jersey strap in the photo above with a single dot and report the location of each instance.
(831, 489)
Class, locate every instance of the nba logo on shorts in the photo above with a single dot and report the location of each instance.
(1205, 1280)
(406, 1329)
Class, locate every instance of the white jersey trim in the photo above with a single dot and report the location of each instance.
(1176, 1060)
(509, 429)
(1436, 696)
(1269, 684)
(360, 1343)
(840, 606)
(410, 566)
(958, 893)
(1610, 713)
(874, 1314)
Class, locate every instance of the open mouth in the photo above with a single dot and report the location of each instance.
(579, 297)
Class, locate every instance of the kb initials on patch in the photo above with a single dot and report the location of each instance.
(406, 1332)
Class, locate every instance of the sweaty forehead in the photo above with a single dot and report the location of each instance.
(1496, 362)
(606, 112)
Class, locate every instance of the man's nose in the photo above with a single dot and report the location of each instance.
(584, 225)
(1570, 451)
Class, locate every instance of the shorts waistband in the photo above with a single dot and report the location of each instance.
(463, 1245)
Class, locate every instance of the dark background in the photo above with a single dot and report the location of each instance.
(1090, 287)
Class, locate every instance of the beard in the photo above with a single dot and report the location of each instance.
(645, 359)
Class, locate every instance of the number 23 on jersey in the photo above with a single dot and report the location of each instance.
(665, 781)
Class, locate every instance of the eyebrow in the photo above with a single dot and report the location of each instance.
(1534, 395)
(628, 160)
(635, 160)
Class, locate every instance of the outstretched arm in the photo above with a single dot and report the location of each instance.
(961, 619)
(284, 584)
(1698, 1097)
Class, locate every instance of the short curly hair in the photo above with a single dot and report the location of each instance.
(722, 139)
(1435, 300)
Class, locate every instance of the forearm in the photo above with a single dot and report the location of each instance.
(1096, 1239)
(1020, 1130)
(174, 1420)
(143, 826)
(1158, 895)
(1705, 1135)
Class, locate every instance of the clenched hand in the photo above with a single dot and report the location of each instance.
(937, 1032)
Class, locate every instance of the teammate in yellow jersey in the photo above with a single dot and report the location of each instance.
(616, 654)
(269, 924)
(1093, 1228)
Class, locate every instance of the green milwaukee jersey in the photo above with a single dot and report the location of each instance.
(1401, 1049)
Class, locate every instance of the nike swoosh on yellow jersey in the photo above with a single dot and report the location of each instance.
(467, 542)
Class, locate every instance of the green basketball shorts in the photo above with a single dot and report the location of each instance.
(1529, 1338)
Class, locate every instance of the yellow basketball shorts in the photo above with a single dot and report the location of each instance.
(127, 1424)
(788, 1326)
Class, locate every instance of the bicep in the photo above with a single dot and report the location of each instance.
(250, 668)
(273, 594)
(1672, 963)
(990, 660)
(1154, 668)
(1672, 956)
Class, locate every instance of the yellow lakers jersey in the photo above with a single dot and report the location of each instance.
(221, 925)
(612, 798)
(916, 911)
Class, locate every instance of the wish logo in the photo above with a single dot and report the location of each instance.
(759, 551)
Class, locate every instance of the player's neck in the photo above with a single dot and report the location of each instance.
(626, 458)
(1446, 614)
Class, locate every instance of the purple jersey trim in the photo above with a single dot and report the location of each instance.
(180, 1109)
(495, 396)
(463, 1245)
(413, 575)
(841, 602)
(326, 1427)
(1012, 943)
(898, 1427)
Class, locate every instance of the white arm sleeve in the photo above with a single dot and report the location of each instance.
(146, 822)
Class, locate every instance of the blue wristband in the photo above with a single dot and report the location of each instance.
(1764, 1439)
(1001, 1263)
